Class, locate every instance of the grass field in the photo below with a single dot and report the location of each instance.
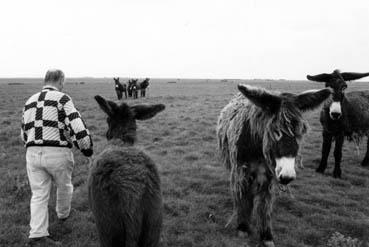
(181, 140)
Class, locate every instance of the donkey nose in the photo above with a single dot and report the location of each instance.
(335, 115)
(285, 180)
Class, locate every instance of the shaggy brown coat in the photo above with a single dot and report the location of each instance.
(124, 184)
(256, 127)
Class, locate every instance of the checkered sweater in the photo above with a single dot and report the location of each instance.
(50, 119)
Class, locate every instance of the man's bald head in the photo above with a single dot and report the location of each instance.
(55, 77)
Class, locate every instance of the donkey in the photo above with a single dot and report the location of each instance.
(344, 115)
(143, 86)
(124, 185)
(258, 139)
(132, 88)
(120, 88)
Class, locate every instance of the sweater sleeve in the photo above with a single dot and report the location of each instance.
(77, 128)
(23, 132)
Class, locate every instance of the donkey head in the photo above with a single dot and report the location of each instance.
(281, 126)
(122, 118)
(336, 81)
(116, 80)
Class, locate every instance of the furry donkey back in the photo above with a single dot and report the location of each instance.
(125, 197)
(124, 184)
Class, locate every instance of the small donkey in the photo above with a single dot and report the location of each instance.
(124, 184)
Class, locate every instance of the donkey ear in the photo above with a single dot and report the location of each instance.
(350, 76)
(320, 77)
(311, 99)
(261, 98)
(143, 112)
(107, 106)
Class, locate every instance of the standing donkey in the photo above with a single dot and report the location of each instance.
(132, 88)
(143, 86)
(345, 114)
(120, 88)
(124, 184)
(258, 138)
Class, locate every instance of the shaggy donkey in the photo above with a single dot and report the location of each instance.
(345, 114)
(258, 139)
(120, 88)
(124, 184)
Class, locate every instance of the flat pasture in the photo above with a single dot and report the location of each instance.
(182, 142)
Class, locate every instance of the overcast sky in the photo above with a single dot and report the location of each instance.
(190, 38)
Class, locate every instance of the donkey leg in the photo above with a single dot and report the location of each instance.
(244, 206)
(264, 205)
(327, 142)
(242, 198)
(365, 161)
(337, 156)
(119, 94)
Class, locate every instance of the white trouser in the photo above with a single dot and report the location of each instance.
(45, 164)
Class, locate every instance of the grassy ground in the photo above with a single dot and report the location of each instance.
(181, 140)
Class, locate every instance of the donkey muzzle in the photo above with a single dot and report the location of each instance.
(335, 111)
(285, 170)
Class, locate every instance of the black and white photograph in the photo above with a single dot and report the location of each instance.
(184, 123)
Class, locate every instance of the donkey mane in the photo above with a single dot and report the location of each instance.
(262, 125)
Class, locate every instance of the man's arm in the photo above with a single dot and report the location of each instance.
(23, 133)
(77, 128)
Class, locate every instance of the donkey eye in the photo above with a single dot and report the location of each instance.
(344, 88)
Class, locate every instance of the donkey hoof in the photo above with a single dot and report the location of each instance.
(268, 244)
(337, 173)
(320, 170)
(242, 234)
(365, 163)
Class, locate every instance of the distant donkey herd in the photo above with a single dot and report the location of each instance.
(132, 89)
(259, 134)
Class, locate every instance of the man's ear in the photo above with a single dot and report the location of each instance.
(107, 106)
(143, 112)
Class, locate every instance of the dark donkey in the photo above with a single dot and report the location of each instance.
(124, 184)
(346, 114)
(258, 138)
(132, 88)
(120, 88)
(143, 86)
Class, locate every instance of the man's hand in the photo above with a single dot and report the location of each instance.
(89, 162)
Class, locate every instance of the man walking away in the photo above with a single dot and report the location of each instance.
(50, 125)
